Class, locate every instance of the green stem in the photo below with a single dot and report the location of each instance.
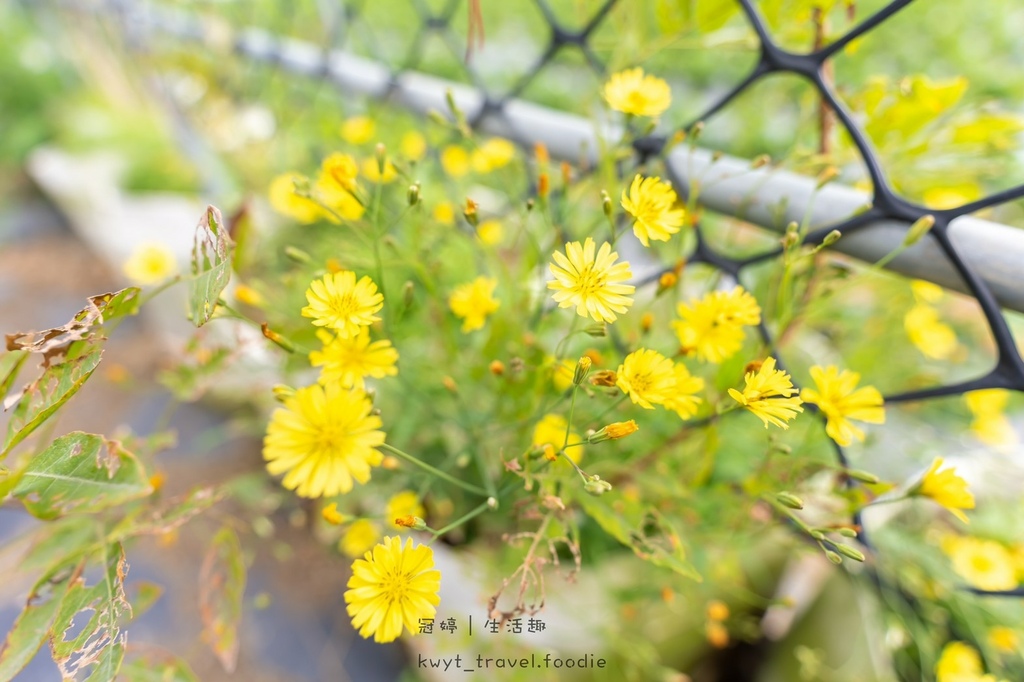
(480, 509)
(572, 408)
(437, 472)
(611, 407)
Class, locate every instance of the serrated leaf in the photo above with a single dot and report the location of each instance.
(33, 625)
(52, 389)
(211, 266)
(221, 590)
(80, 472)
(157, 668)
(98, 645)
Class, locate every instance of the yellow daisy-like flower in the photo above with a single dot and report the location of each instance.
(473, 302)
(684, 399)
(933, 337)
(323, 437)
(632, 92)
(444, 213)
(592, 283)
(984, 564)
(455, 161)
(359, 538)
(413, 145)
(286, 201)
(561, 374)
(405, 503)
(990, 424)
(960, 662)
(493, 154)
(945, 488)
(550, 430)
(648, 377)
(371, 170)
(341, 169)
(840, 401)
(650, 201)
(712, 327)
(358, 130)
(490, 232)
(331, 514)
(769, 394)
(349, 361)
(393, 586)
(1004, 639)
(150, 264)
(339, 302)
(336, 185)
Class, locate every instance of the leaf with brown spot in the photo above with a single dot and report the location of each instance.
(211, 266)
(221, 589)
(55, 482)
(98, 646)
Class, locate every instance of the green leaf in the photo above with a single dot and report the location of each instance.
(146, 594)
(154, 667)
(174, 515)
(221, 589)
(10, 363)
(211, 266)
(33, 625)
(80, 472)
(52, 389)
(100, 643)
(61, 542)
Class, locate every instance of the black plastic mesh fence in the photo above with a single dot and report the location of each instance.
(342, 21)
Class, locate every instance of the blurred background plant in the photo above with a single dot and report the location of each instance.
(712, 555)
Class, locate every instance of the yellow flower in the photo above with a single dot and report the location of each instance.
(648, 377)
(561, 375)
(331, 514)
(473, 302)
(650, 201)
(984, 564)
(490, 232)
(614, 431)
(391, 587)
(371, 169)
(247, 295)
(360, 538)
(934, 338)
(493, 154)
(323, 437)
(341, 170)
(405, 503)
(840, 401)
(960, 662)
(684, 399)
(769, 395)
(712, 327)
(349, 361)
(631, 92)
(358, 130)
(286, 201)
(990, 424)
(550, 431)
(925, 291)
(413, 145)
(717, 610)
(150, 264)
(339, 302)
(945, 488)
(1004, 639)
(455, 161)
(444, 213)
(592, 283)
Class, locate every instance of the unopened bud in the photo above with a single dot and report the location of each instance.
(848, 551)
(595, 486)
(540, 152)
(390, 463)
(296, 255)
(530, 203)
(470, 213)
(761, 161)
(566, 173)
(543, 185)
(790, 500)
(847, 532)
(331, 514)
(449, 384)
(282, 392)
(919, 229)
(596, 330)
(381, 152)
(413, 195)
(614, 431)
(411, 522)
(497, 367)
(831, 238)
(277, 338)
(817, 535)
(437, 117)
(696, 130)
(582, 370)
(862, 476)
(646, 322)
(667, 281)
(605, 377)
(492, 503)
(833, 557)
(408, 292)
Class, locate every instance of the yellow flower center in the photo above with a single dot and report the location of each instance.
(589, 283)
(394, 586)
(344, 305)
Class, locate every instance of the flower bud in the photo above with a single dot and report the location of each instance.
(282, 392)
(605, 377)
(696, 130)
(862, 476)
(667, 281)
(831, 238)
(848, 551)
(646, 322)
(530, 203)
(492, 503)
(614, 431)
(566, 173)
(277, 338)
(470, 213)
(497, 367)
(540, 152)
(450, 384)
(596, 330)
(833, 557)
(543, 185)
(408, 290)
(790, 500)
(919, 229)
(411, 522)
(761, 161)
(582, 370)
(606, 204)
(331, 514)
(381, 153)
(847, 532)
(413, 195)
(595, 486)
(296, 255)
